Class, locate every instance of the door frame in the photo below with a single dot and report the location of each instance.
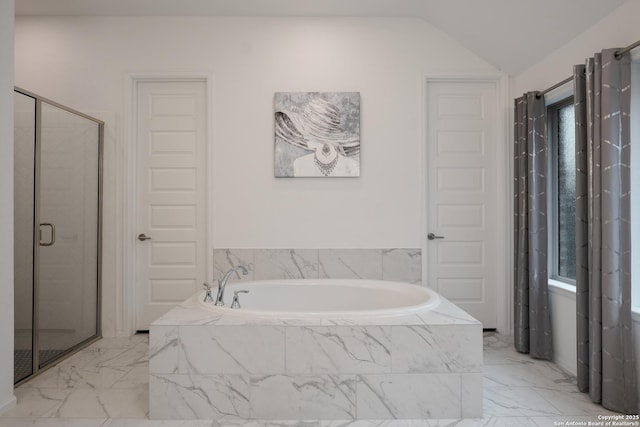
(125, 304)
(504, 207)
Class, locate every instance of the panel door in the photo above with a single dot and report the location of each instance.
(171, 196)
(462, 195)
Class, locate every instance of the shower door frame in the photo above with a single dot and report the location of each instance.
(36, 369)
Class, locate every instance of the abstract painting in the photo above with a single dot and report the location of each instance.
(317, 134)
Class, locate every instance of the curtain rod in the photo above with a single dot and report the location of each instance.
(621, 52)
(555, 86)
(617, 55)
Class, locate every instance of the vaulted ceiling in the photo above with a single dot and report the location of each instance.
(510, 34)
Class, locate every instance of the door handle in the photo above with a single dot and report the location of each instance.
(432, 236)
(52, 240)
(142, 237)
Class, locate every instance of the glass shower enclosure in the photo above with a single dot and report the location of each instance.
(57, 232)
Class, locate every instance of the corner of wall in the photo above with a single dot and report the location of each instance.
(7, 20)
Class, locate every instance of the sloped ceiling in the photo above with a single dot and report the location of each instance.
(510, 34)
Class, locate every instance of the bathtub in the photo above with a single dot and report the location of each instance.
(325, 298)
(316, 350)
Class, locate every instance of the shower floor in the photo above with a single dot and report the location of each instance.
(23, 362)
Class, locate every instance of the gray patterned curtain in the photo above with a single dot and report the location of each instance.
(606, 365)
(532, 315)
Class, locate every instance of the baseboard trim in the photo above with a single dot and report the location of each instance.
(8, 404)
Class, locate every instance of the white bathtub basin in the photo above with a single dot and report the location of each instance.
(344, 298)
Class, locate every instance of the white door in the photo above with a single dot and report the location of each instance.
(462, 195)
(171, 195)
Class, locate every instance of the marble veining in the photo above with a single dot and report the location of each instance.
(403, 265)
(504, 405)
(231, 349)
(321, 368)
(199, 396)
(350, 263)
(346, 349)
(300, 397)
(398, 264)
(428, 348)
(225, 259)
(409, 396)
(286, 264)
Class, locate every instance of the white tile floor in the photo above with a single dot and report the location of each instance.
(106, 385)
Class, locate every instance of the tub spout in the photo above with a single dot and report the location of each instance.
(223, 283)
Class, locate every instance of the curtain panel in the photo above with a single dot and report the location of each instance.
(532, 316)
(606, 363)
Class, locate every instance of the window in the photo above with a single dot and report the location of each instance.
(562, 209)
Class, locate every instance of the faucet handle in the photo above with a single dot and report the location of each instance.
(207, 296)
(236, 299)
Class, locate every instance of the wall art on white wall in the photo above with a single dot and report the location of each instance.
(317, 134)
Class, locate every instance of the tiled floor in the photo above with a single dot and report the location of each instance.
(105, 385)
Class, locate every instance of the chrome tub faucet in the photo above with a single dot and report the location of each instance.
(236, 298)
(208, 297)
(223, 283)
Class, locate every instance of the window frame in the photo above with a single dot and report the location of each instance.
(553, 245)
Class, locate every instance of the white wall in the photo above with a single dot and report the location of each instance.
(83, 62)
(619, 29)
(7, 399)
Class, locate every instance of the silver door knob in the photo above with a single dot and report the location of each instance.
(432, 236)
(142, 237)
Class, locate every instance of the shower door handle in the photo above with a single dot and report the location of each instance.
(52, 240)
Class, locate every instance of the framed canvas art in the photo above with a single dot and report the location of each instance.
(317, 134)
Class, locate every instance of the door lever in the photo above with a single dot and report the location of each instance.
(142, 237)
(432, 236)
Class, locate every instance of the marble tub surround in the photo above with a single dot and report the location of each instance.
(204, 365)
(397, 264)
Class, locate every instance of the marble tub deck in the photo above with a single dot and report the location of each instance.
(204, 365)
(106, 385)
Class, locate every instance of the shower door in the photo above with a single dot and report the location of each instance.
(23, 201)
(65, 232)
(68, 231)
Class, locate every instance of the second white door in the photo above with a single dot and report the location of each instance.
(171, 229)
(462, 195)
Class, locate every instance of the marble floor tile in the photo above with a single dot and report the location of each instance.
(52, 422)
(516, 401)
(63, 376)
(37, 402)
(122, 357)
(136, 377)
(120, 422)
(504, 356)
(106, 403)
(531, 374)
(106, 385)
(572, 403)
